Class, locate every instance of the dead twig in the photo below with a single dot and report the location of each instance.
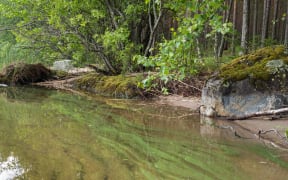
(189, 85)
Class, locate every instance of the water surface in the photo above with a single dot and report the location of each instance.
(48, 134)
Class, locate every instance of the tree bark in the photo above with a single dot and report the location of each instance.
(198, 49)
(234, 27)
(286, 32)
(245, 24)
(216, 45)
(265, 19)
(255, 16)
(274, 23)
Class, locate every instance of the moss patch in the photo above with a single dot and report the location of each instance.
(117, 86)
(253, 65)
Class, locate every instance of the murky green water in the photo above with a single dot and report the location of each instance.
(47, 134)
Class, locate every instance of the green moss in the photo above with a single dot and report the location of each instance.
(117, 86)
(253, 65)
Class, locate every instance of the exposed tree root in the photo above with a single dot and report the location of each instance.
(21, 73)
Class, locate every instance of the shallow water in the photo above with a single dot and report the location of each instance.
(48, 134)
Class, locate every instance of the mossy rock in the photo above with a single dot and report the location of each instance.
(253, 83)
(117, 86)
(253, 65)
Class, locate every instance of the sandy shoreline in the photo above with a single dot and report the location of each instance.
(272, 131)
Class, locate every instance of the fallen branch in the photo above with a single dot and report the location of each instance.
(189, 85)
(261, 113)
(98, 70)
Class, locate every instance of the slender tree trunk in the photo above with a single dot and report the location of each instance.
(265, 21)
(255, 16)
(113, 19)
(286, 32)
(153, 26)
(234, 27)
(274, 23)
(216, 44)
(245, 24)
(198, 47)
(227, 17)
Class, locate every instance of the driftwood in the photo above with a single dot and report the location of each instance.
(98, 70)
(260, 113)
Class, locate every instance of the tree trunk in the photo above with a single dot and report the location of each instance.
(216, 45)
(198, 49)
(265, 21)
(234, 27)
(286, 32)
(227, 17)
(245, 24)
(153, 26)
(276, 3)
(255, 16)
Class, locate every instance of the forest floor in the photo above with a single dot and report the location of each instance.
(266, 129)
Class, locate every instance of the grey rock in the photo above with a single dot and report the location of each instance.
(63, 65)
(243, 97)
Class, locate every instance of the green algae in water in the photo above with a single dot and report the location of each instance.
(60, 136)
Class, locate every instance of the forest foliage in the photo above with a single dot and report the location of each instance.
(173, 38)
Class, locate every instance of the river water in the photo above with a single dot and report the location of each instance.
(47, 134)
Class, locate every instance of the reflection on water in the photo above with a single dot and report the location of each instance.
(10, 167)
(61, 136)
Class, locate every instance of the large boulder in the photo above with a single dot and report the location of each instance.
(63, 65)
(252, 83)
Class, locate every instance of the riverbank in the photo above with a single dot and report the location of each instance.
(262, 128)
